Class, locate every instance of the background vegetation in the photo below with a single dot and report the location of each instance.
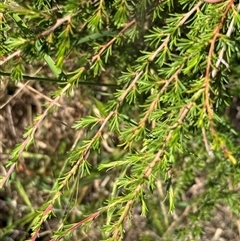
(119, 120)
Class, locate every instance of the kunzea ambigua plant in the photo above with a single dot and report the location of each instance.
(165, 67)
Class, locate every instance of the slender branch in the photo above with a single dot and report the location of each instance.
(188, 14)
(18, 91)
(5, 60)
(56, 25)
(213, 1)
(209, 62)
(104, 47)
(123, 96)
(163, 45)
(153, 104)
(175, 223)
(36, 78)
(22, 86)
(220, 56)
(207, 146)
(85, 220)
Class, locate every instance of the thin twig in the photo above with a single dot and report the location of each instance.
(30, 88)
(178, 221)
(56, 25)
(123, 96)
(10, 99)
(163, 45)
(36, 78)
(155, 101)
(188, 14)
(21, 87)
(209, 63)
(220, 56)
(5, 60)
(10, 119)
(104, 47)
(163, 208)
(205, 140)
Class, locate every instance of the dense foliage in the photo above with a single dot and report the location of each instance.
(155, 135)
